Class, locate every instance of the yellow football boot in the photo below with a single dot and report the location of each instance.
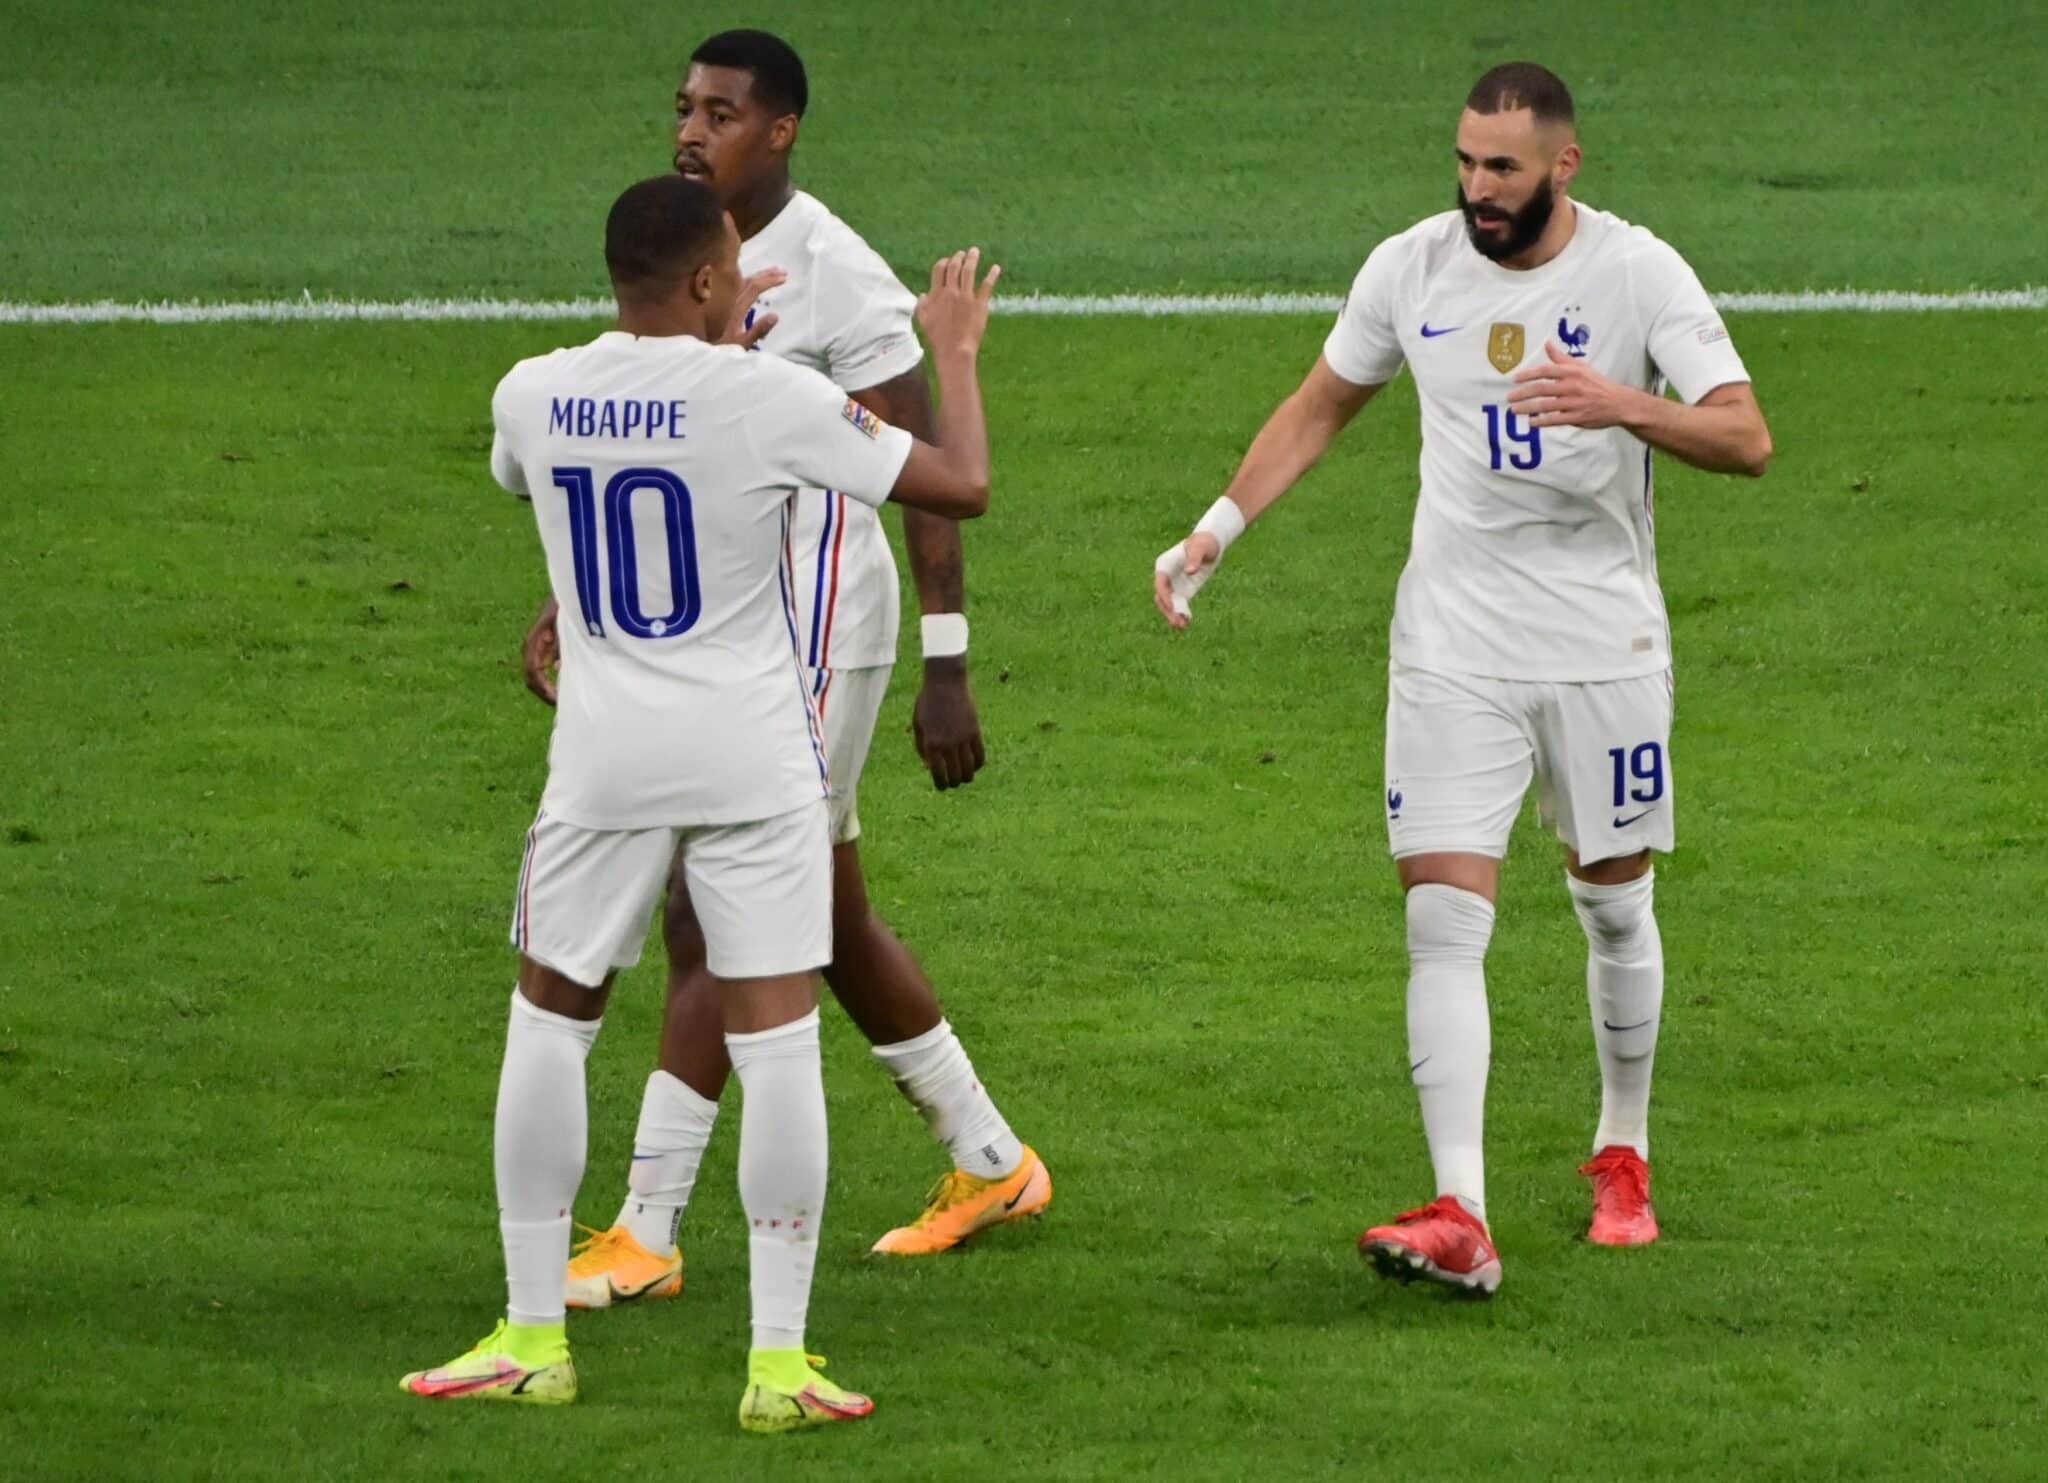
(784, 1393)
(524, 1364)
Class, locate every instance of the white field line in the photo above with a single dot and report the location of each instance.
(309, 309)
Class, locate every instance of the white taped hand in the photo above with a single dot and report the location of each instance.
(1181, 584)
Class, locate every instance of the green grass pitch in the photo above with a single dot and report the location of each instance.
(269, 762)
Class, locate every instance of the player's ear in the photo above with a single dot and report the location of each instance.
(1567, 166)
(700, 283)
(782, 133)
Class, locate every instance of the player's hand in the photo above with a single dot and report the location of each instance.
(945, 725)
(1179, 573)
(954, 314)
(541, 654)
(1568, 392)
(738, 331)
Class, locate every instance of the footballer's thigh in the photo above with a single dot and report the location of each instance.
(585, 895)
(1604, 767)
(849, 704)
(762, 892)
(1459, 757)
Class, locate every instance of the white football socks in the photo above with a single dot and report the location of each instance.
(668, 1148)
(933, 1072)
(1450, 1039)
(542, 1125)
(1625, 990)
(782, 1171)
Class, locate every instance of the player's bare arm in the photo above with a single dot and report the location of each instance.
(540, 655)
(1294, 439)
(1723, 432)
(944, 723)
(951, 477)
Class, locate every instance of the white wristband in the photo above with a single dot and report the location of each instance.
(1224, 520)
(945, 635)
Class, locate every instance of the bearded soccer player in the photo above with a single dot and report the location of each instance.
(1529, 635)
(832, 304)
(663, 471)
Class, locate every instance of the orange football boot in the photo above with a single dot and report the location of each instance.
(963, 1203)
(613, 1267)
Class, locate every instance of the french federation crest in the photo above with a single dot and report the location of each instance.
(1504, 346)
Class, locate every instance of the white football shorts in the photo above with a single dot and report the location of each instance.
(1461, 751)
(849, 704)
(762, 892)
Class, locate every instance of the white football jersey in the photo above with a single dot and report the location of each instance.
(1534, 555)
(663, 474)
(843, 314)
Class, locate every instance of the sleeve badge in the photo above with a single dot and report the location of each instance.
(862, 419)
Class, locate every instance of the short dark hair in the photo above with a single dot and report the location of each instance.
(660, 231)
(779, 79)
(1514, 85)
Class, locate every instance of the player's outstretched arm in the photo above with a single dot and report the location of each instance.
(1723, 432)
(1294, 438)
(951, 478)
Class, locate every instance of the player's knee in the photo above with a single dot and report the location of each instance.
(858, 934)
(1448, 924)
(1620, 920)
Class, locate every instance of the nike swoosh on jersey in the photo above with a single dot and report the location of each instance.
(1430, 334)
(1624, 823)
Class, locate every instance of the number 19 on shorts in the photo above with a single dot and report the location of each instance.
(1638, 773)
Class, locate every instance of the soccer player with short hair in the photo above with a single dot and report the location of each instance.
(832, 304)
(1529, 636)
(664, 471)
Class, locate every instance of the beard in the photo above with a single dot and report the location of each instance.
(1523, 226)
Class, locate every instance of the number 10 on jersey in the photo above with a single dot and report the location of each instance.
(1519, 430)
(622, 554)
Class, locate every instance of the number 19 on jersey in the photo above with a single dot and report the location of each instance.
(1519, 431)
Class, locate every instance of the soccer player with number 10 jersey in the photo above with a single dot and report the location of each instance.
(665, 470)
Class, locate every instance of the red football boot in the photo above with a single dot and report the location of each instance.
(1621, 1198)
(1442, 1242)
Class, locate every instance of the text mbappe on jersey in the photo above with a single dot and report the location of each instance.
(592, 417)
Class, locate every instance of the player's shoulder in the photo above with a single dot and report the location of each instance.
(769, 387)
(531, 372)
(1402, 263)
(1427, 244)
(755, 369)
(828, 238)
(1633, 244)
